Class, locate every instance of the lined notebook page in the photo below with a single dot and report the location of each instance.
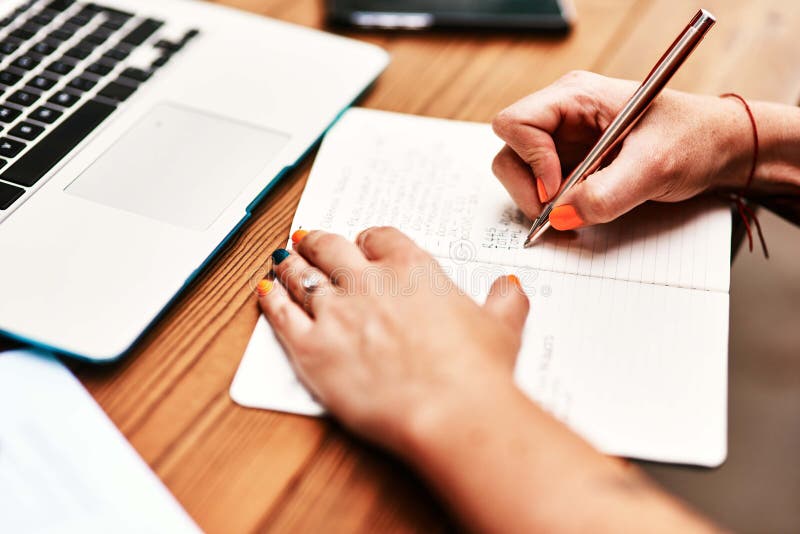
(639, 370)
(431, 178)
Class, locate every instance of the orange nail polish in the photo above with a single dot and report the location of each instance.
(565, 218)
(298, 236)
(514, 280)
(264, 287)
(541, 190)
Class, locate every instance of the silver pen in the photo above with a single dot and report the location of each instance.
(630, 114)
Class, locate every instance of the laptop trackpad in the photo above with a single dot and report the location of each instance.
(179, 165)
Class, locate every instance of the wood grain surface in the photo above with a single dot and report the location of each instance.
(240, 470)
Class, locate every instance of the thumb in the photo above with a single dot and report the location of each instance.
(604, 195)
(508, 303)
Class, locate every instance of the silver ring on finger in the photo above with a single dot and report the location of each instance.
(311, 283)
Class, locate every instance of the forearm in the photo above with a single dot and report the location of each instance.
(504, 465)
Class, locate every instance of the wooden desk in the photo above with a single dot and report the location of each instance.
(239, 470)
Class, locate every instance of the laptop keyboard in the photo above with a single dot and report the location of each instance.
(65, 67)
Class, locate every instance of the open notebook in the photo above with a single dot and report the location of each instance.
(627, 337)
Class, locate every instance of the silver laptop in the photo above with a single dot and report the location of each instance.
(136, 135)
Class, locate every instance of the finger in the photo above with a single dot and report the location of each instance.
(291, 325)
(341, 260)
(606, 194)
(289, 322)
(307, 285)
(385, 243)
(508, 302)
(517, 177)
(527, 127)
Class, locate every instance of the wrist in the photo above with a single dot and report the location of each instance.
(736, 145)
(494, 420)
(778, 165)
(432, 425)
(777, 157)
(491, 444)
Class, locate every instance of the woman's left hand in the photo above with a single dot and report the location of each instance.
(396, 352)
(383, 337)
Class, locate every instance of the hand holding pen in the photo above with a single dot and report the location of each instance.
(553, 130)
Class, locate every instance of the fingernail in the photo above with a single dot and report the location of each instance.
(298, 236)
(279, 255)
(541, 190)
(264, 287)
(514, 280)
(565, 218)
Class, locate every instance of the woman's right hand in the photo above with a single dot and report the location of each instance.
(685, 145)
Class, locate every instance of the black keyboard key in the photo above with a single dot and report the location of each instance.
(144, 30)
(32, 26)
(57, 144)
(8, 114)
(160, 61)
(43, 83)
(113, 25)
(86, 43)
(117, 53)
(60, 67)
(44, 18)
(60, 5)
(92, 7)
(82, 84)
(79, 51)
(21, 33)
(9, 46)
(23, 98)
(59, 35)
(45, 115)
(169, 46)
(99, 68)
(10, 148)
(78, 20)
(117, 14)
(108, 60)
(26, 62)
(26, 130)
(93, 40)
(117, 91)
(98, 36)
(8, 193)
(9, 78)
(43, 48)
(138, 75)
(64, 98)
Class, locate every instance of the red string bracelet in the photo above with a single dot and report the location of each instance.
(739, 199)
